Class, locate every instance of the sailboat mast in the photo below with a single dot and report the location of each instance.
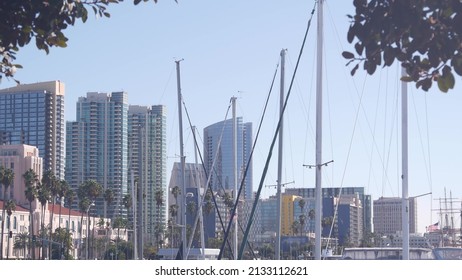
(183, 187)
(135, 229)
(279, 182)
(319, 69)
(405, 176)
(233, 99)
(199, 195)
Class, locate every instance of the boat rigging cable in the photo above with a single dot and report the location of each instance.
(220, 184)
(209, 176)
(233, 211)
(249, 224)
(205, 171)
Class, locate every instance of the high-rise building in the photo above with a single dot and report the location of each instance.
(388, 215)
(287, 214)
(218, 142)
(33, 114)
(97, 148)
(147, 158)
(366, 201)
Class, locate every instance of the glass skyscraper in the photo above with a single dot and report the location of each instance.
(222, 175)
(97, 148)
(33, 114)
(148, 162)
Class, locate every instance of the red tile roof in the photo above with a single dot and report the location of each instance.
(18, 208)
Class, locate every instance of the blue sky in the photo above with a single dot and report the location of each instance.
(231, 48)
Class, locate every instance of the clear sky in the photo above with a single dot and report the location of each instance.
(231, 48)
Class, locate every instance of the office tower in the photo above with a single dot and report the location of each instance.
(33, 114)
(343, 219)
(222, 175)
(97, 148)
(336, 192)
(148, 161)
(388, 215)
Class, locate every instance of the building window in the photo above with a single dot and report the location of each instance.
(15, 222)
(21, 218)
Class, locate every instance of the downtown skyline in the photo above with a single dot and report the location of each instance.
(236, 56)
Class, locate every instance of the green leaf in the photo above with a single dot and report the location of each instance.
(446, 81)
(406, 79)
(359, 48)
(348, 55)
(353, 71)
(456, 63)
(388, 56)
(425, 84)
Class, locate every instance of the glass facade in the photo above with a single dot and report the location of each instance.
(97, 148)
(222, 175)
(148, 161)
(33, 114)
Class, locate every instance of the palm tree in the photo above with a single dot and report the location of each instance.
(43, 195)
(295, 226)
(62, 191)
(84, 205)
(127, 203)
(69, 198)
(6, 178)
(228, 200)
(62, 236)
(327, 222)
(176, 192)
(191, 208)
(172, 222)
(91, 190)
(207, 210)
(108, 199)
(50, 181)
(159, 197)
(118, 223)
(173, 210)
(30, 181)
(10, 208)
(21, 242)
(301, 204)
(302, 221)
(311, 215)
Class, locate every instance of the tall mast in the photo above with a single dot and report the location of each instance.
(182, 157)
(135, 230)
(318, 192)
(199, 195)
(279, 182)
(233, 99)
(140, 187)
(405, 176)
